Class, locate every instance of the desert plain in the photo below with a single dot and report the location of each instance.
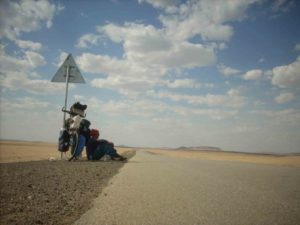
(155, 186)
(38, 188)
(20, 151)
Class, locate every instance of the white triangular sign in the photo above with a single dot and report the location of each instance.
(74, 73)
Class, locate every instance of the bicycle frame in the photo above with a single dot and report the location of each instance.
(70, 154)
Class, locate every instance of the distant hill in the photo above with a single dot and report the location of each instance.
(123, 146)
(200, 148)
(197, 148)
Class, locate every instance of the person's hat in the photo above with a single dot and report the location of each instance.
(94, 133)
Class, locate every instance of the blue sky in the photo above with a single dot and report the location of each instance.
(159, 73)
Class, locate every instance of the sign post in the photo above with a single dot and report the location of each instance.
(67, 73)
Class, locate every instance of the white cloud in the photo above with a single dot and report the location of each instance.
(281, 6)
(101, 64)
(222, 46)
(16, 73)
(148, 108)
(297, 47)
(186, 55)
(17, 118)
(35, 46)
(231, 99)
(24, 103)
(169, 6)
(21, 81)
(228, 71)
(183, 83)
(35, 59)
(137, 38)
(216, 114)
(113, 66)
(150, 53)
(128, 107)
(151, 46)
(284, 97)
(206, 18)
(141, 40)
(247, 128)
(25, 16)
(124, 85)
(89, 40)
(289, 116)
(233, 92)
(79, 98)
(146, 59)
(125, 76)
(61, 58)
(114, 32)
(136, 85)
(287, 75)
(29, 60)
(253, 75)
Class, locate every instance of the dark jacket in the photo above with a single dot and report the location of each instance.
(93, 150)
(96, 149)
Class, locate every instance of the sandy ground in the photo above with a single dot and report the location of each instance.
(280, 160)
(20, 151)
(35, 190)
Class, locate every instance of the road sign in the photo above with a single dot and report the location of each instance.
(68, 72)
(74, 72)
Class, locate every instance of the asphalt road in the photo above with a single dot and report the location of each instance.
(160, 190)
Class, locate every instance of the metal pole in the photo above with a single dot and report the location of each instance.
(66, 95)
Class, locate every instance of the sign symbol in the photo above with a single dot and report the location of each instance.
(67, 73)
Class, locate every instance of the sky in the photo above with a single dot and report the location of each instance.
(159, 73)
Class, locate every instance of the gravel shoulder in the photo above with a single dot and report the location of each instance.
(52, 192)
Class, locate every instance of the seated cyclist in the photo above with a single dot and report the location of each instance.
(97, 148)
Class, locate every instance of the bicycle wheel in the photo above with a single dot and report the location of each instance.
(74, 140)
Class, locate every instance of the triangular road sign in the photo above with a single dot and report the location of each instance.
(74, 73)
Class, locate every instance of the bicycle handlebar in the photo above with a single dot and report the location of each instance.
(64, 110)
(71, 113)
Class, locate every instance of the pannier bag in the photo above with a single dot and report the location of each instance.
(78, 109)
(63, 140)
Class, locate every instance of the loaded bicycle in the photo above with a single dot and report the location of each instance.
(74, 134)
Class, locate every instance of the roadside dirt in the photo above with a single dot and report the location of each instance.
(52, 192)
(268, 159)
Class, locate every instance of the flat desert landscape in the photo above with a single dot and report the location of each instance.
(271, 159)
(20, 151)
(39, 188)
(36, 190)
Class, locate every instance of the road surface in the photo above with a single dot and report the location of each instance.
(161, 190)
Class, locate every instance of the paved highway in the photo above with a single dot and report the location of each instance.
(161, 190)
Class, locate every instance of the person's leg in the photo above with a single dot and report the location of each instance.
(112, 152)
(99, 152)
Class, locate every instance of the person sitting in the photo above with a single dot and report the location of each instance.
(97, 148)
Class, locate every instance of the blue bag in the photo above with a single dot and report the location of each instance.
(80, 146)
(63, 140)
